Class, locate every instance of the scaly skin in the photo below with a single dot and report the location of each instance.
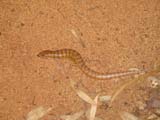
(78, 60)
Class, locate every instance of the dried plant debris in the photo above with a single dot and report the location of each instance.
(93, 109)
(134, 81)
(74, 116)
(155, 82)
(105, 98)
(87, 115)
(153, 117)
(85, 97)
(94, 103)
(78, 38)
(128, 116)
(90, 114)
(38, 113)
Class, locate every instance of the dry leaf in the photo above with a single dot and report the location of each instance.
(152, 117)
(128, 116)
(87, 114)
(74, 33)
(72, 117)
(90, 114)
(93, 109)
(105, 98)
(85, 97)
(77, 37)
(37, 113)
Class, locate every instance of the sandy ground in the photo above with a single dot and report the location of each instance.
(111, 36)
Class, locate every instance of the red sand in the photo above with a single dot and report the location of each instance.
(110, 35)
